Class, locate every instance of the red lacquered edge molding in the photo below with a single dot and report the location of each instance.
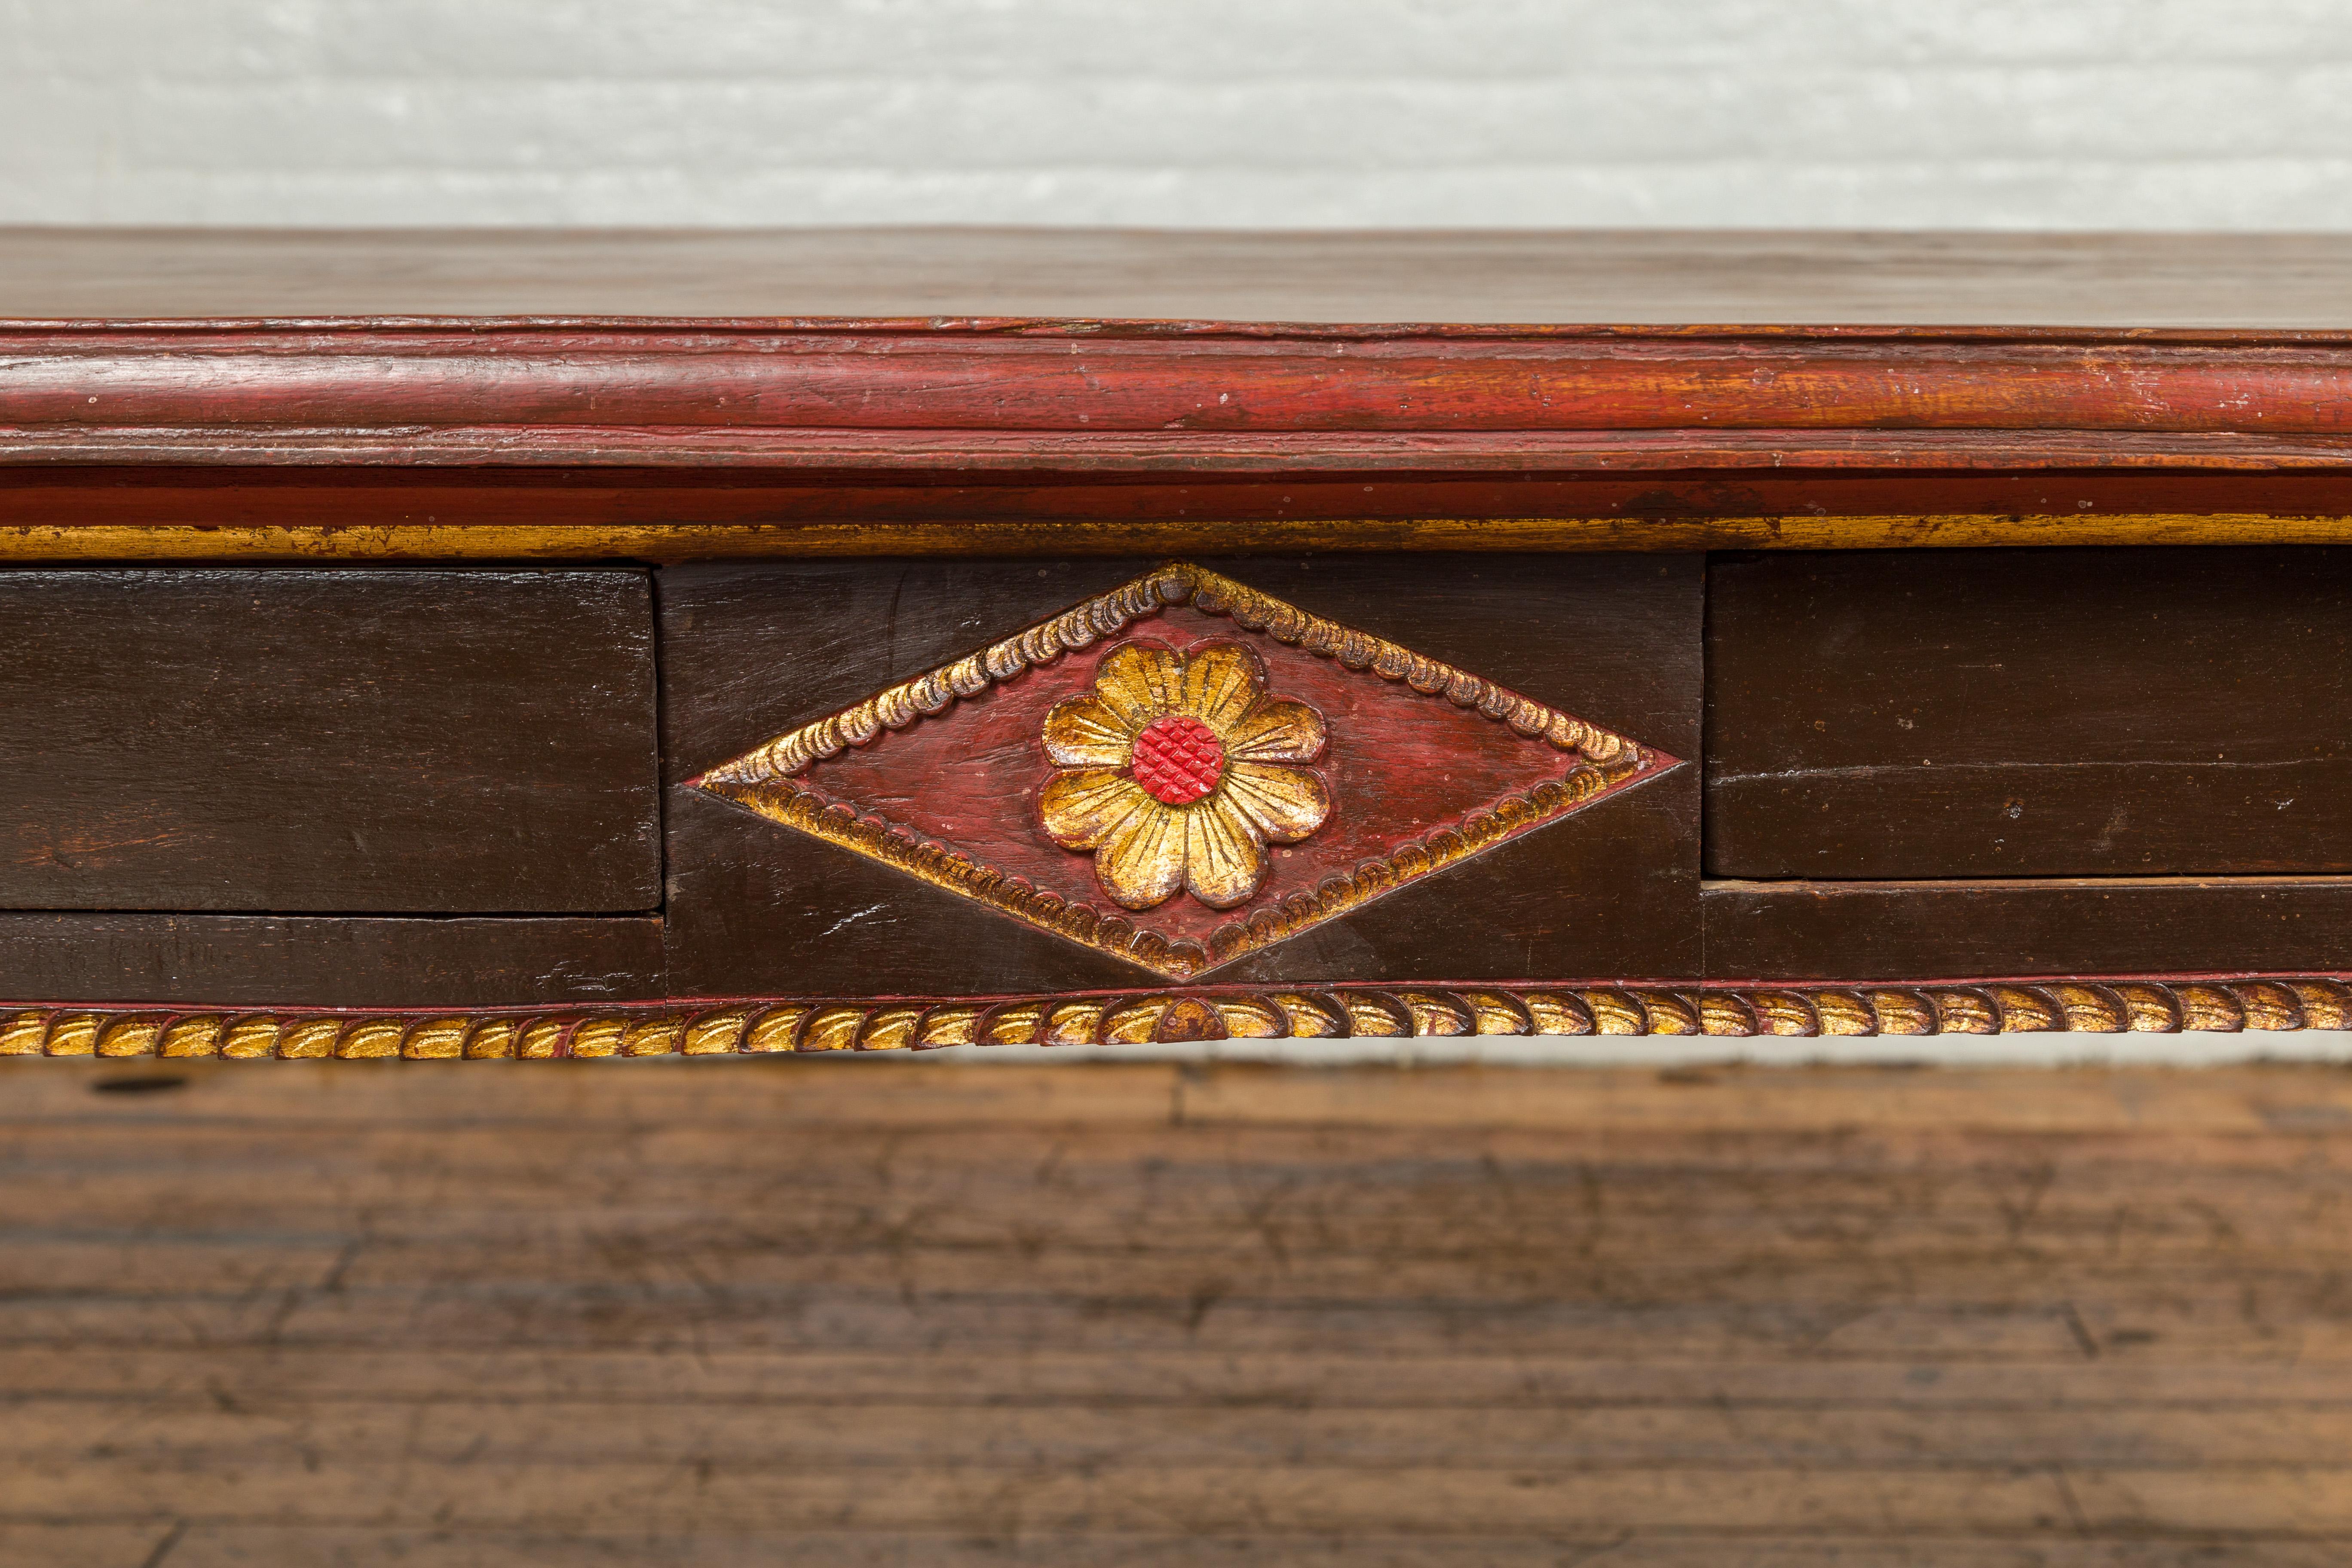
(851, 394)
(767, 1026)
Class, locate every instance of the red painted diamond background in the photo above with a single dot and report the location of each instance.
(1400, 765)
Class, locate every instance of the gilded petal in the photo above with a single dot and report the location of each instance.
(1285, 805)
(1140, 680)
(1141, 863)
(1221, 680)
(1080, 808)
(1082, 732)
(1224, 862)
(1276, 730)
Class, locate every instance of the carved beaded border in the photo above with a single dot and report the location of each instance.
(1135, 1018)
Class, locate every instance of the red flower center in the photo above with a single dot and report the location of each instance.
(1177, 759)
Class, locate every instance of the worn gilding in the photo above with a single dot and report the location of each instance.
(2136, 1004)
(687, 540)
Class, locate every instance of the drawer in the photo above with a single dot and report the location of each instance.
(349, 741)
(1929, 714)
(457, 787)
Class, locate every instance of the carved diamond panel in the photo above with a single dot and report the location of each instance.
(1182, 770)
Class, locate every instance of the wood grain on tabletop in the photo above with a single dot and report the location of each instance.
(751, 651)
(831, 1312)
(1629, 276)
(344, 741)
(2045, 713)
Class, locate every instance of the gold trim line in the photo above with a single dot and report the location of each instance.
(39, 541)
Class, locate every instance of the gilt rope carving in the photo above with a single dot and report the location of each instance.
(1138, 1017)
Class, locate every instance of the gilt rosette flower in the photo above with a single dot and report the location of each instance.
(1178, 770)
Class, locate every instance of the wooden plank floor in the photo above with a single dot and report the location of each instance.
(893, 1312)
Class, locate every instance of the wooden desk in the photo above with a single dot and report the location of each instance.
(403, 666)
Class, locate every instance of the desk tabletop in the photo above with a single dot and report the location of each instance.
(666, 395)
(2271, 282)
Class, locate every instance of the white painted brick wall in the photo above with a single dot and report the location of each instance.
(2020, 113)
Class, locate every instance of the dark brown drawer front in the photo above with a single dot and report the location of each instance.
(2030, 713)
(328, 961)
(334, 740)
(2036, 925)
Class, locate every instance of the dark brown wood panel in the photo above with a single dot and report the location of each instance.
(2049, 926)
(352, 741)
(450, 961)
(2063, 712)
(880, 1311)
(751, 651)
